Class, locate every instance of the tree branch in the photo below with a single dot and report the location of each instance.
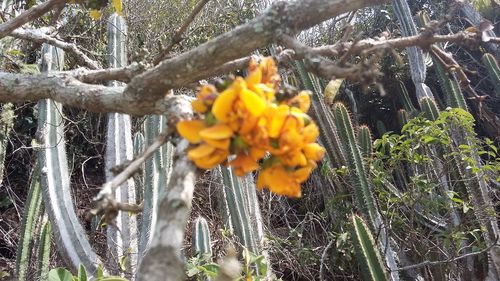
(281, 18)
(177, 36)
(38, 37)
(29, 15)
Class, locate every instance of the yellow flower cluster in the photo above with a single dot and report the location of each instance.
(248, 121)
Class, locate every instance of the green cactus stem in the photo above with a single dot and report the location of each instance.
(491, 65)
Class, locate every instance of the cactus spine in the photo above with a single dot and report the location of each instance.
(122, 239)
(201, 242)
(367, 251)
(44, 249)
(28, 227)
(54, 176)
(493, 71)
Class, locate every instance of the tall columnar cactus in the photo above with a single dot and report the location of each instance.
(28, 227)
(365, 140)
(429, 108)
(240, 202)
(44, 249)
(367, 251)
(122, 239)
(323, 116)
(365, 201)
(201, 243)
(6, 124)
(405, 98)
(156, 174)
(448, 81)
(403, 117)
(54, 176)
(491, 65)
(478, 189)
(138, 177)
(415, 54)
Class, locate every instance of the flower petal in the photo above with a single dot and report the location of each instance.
(220, 144)
(190, 129)
(217, 132)
(314, 151)
(253, 103)
(200, 151)
(223, 105)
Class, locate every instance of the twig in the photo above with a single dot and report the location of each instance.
(427, 263)
(122, 74)
(178, 34)
(30, 15)
(39, 37)
(132, 168)
(323, 257)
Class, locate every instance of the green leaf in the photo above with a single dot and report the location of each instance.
(60, 274)
(82, 273)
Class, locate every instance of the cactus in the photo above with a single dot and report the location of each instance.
(28, 227)
(238, 202)
(368, 252)
(365, 140)
(201, 244)
(415, 54)
(381, 129)
(405, 98)
(403, 117)
(491, 65)
(448, 81)
(323, 117)
(44, 249)
(138, 178)
(365, 200)
(429, 109)
(156, 174)
(122, 239)
(6, 124)
(54, 176)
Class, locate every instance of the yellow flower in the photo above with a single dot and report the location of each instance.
(301, 101)
(190, 130)
(117, 4)
(281, 181)
(314, 151)
(238, 106)
(206, 156)
(95, 14)
(244, 164)
(218, 136)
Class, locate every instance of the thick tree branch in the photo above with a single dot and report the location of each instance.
(281, 18)
(30, 15)
(69, 91)
(38, 37)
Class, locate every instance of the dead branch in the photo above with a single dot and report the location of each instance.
(29, 15)
(38, 37)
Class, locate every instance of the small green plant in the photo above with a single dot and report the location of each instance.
(62, 274)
